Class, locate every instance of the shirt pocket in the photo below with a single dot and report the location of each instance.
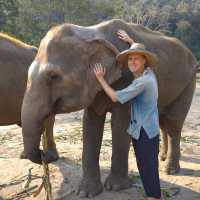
(133, 124)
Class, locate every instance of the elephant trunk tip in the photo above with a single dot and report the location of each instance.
(38, 156)
(34, 156)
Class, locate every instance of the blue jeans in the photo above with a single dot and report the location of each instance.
(146, 152)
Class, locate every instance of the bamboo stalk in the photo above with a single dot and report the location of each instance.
(47, 183)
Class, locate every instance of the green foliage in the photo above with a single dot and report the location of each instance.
(34, 17)
(178, 18)
(8, 13)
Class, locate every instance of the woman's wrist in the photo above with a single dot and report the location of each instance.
(106, 87)
(130, 41)
(101, 80)
(125, 37)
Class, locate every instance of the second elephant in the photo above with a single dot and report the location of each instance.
(15, 59)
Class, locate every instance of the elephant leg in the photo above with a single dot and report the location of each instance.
(93, 126)
(164, 135)
(173, 157)
(172, 121)
(118, 178)
(49, 123)
(171, 144)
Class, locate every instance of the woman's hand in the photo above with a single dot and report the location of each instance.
(124, 36)
(99, 71)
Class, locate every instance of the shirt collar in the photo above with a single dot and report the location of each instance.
(147, 70)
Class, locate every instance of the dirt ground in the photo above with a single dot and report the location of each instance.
(66, 172)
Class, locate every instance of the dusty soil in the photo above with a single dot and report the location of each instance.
(66, 173)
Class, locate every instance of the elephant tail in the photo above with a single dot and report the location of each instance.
(34, 49)
(195, 70)
(198, 67)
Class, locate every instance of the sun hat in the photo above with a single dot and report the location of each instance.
(138, 48)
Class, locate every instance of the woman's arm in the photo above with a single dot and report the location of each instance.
(123, 95)
(100, 71)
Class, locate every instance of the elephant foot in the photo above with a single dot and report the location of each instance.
(38, 156)
(172, 168)
(116, 182)
(35, 156)
(89, 188)
(23, 155)
(163, 156)
(52, 154)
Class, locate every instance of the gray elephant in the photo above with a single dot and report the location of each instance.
(61, 80)
(15, 59)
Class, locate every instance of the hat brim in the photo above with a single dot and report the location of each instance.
(151, 58)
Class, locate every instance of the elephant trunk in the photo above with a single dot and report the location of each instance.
(35, 109)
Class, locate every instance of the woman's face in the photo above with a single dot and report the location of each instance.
(136, 63)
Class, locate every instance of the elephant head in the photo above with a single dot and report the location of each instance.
(61, 80)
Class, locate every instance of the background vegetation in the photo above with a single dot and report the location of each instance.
(29, 20)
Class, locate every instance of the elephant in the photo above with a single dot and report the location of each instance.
(15, 59)
(61, 80)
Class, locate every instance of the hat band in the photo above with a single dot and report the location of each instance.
(138, 49)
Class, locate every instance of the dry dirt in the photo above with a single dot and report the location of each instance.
(66, 173)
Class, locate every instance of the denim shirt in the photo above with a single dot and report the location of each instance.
(143, 94)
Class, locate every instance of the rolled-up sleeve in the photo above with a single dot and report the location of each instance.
(133, 90)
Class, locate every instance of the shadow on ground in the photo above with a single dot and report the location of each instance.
(171, 191)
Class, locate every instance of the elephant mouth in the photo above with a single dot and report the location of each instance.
(58, 106)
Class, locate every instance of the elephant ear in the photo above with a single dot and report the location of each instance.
(102, 51)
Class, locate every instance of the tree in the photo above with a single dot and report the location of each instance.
(29, 20)
(9, 11)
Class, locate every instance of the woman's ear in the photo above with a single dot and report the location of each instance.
(102, 51)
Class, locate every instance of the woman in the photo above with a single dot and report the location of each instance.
(143, 95)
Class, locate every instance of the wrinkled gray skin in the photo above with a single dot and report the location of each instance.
(15, 59)
(61, 81)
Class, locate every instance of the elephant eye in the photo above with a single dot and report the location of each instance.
(54, 77)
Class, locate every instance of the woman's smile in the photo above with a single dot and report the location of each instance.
(136, 63)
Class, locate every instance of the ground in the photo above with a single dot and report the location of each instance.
(66, 172)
